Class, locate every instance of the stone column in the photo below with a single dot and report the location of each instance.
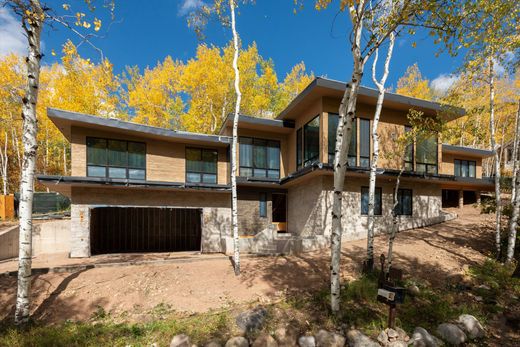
(477, 196)
(461, 198)
(79, 231)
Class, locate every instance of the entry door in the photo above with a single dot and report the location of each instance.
(280, 211)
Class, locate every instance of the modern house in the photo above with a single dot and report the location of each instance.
(137, 188)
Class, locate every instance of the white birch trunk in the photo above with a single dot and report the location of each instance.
(16, 145)
(4, 160)
(30, 146)
(511, 242)
(234, 202)
(375, 139)
(498, 214)
(347, 111)
(395, 222)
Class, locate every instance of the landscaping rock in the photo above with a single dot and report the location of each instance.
(286, 336)
(356, 338)
(414, 290)
(265, 340)
(422, 338)
(471, 326)
(307, 341)
(237, 341)
(397, 344)
(403, 336)
(393, 337)
(251, 320)
(213, 344)
(180, 340)
(327, 339)
(451, 334)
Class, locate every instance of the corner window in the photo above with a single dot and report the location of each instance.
(404, 202)
(263, 205)
(116, 159)
(259, 158)
(332, 132)
(408, 152)
(378, 207)
(299, 149)
(364, 142)
(465, 168)
(427, 156)
(311, 141)
(201, 165)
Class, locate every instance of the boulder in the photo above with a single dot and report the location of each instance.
(213, 343)
(307, 341)
(471, 326)
(397, 343)
(451, 333)
(251, 320)
(328, 339)
(238, 341)
(180, 340)
(393, 337)
(413, 290)
(422, 338)
(403, 336)
(286, 336)
(265, 340)
(356, 338)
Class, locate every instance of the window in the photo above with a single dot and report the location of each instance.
(116, 159)
(333, 128)
(201, 165)
(465, 168)
(427, 156)
(364, 142)
(299, 146)
(404, 202)
(259, 158)
(311, 141)
(408, 154)
(263, 205)
(377, 202)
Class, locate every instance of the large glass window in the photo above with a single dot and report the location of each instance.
(263, 205)
(427, 156)
(378, 206)
(332, 132)
(311, 141)
(364, 142)
(404, 202)
(259, 158)
(299, 149)
(408, 152)
(201, 165)
(465, 168)
(116, 158)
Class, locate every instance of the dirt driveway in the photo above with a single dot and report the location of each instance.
(434, 254)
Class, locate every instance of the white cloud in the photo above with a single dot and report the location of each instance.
(443, 82)
(12, 39)
(188, 6)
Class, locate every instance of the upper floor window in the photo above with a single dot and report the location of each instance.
(465, 168)
(426, 161)
(404, 202)
(408, 152)
(378, 205)
(259, 158)
(364, 142)
(201, 165)
(308, 143)
(116, 158)
(332, 132)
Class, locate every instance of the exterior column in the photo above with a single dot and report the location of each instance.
(477, 195)
(79, 231)
(461, 198)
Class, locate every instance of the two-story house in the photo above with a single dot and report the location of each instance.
(137, 188)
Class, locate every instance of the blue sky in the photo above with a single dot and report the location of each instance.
(147, 31)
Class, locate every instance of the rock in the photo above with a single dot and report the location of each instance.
(251, 320)
(287, 336)
(382, 338)
(213, 343)
(403, 336)
(451, 334)
(393, 337)
(327, 339)
(392, 334)
(414, 290)
(180, 340)
(307, 341)
(265, 340)
(422, 338)
(237, 341)
(356, 338)
(397, 343)
(471, 326)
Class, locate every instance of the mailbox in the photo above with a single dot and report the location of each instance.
(391, 295)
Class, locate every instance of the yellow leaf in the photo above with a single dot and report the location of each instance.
(97, 24)
(66, 7)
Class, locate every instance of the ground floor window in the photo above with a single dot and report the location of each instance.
(378, 206)
(404, 202)
(263, 205)
(201, 165)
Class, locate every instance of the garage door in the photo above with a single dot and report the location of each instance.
(136, 229)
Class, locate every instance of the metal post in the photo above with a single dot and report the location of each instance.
(391, 316)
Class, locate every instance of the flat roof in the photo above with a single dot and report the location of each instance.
(245, 121)
(64, 120)
(471, 151)
(326, 87)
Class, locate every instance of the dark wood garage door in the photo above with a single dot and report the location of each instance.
(137, 229)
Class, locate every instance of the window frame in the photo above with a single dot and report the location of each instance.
(409, 164)
(267, 157)
(461, 161)
(399, 207)
(262, 205)
(351, 159)
(427, 166)
(299, 148)
(107, 167)
(378, 189)
(310, 161)
(201, 173)
(361, 120)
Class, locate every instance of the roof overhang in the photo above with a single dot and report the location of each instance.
(467, 151)
(258, 124)
(65, 120)
(322, 87)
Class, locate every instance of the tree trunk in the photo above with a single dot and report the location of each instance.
(234, 202)
(511, 242)
(395, 222)
(4, 160)
(33, 29)
(498, 214)
(375, 139)
(347, 111)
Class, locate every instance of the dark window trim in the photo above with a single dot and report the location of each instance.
(408, 128)
(399, 208)
(266, 157)
(428, 165)
(299, 148)
(106, 166)
(262, 211)
(307, 162)
(459, 174)
(199, 172)
(381, 204)
(358, 142)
